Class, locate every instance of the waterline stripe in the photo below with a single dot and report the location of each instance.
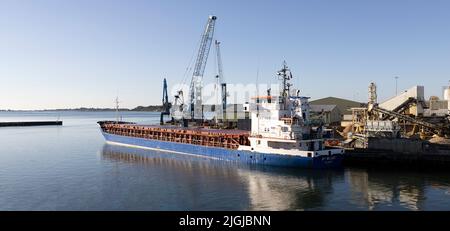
(158, 149)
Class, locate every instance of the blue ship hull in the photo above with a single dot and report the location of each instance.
(333, 161)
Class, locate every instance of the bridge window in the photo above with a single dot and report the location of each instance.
(281, 145)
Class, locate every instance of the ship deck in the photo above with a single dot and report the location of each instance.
(226, 138)
(196, 129)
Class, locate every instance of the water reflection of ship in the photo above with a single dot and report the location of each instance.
(250, 187)
(289, 191)
(387, 188)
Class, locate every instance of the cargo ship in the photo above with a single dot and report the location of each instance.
(281, 132)
(281, 135)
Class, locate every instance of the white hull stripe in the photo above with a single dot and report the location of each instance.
(158, 149)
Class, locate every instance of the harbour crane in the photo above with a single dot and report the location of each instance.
(165, 103)
(194, 109)
(221, 82)
(195, 99)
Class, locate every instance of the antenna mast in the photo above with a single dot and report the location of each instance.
(285, 75)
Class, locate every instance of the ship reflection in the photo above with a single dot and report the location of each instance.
(289, 190)
(222, 185)
(394, 190)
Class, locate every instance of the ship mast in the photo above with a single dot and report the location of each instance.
(285, 76)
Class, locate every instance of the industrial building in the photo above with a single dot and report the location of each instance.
(332, 110)
(436, 107)
(326, 114)
(416, 105)
(344, 105)
(406, 115)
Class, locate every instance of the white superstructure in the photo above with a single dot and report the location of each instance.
(281, 124)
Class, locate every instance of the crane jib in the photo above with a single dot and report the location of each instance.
(199, 69)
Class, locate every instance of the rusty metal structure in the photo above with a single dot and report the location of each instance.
(230, 139)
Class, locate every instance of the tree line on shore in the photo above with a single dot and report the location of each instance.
(151, 108)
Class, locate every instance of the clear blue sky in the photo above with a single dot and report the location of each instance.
(65, 54)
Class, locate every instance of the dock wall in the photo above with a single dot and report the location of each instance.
(30, 123)
(383, 152)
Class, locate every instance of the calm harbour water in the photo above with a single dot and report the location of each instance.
(71, 168)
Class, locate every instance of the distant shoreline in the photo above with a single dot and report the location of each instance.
(151, 108)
